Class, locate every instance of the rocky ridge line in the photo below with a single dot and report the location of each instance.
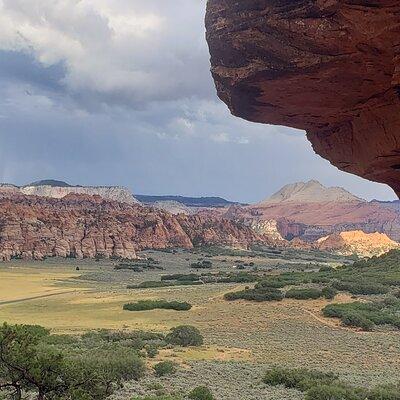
(80, 226)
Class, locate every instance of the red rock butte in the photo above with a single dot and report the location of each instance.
(330, 67)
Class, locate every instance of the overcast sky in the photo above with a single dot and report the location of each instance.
(118, 92)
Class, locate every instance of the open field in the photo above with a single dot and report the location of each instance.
(241, 338)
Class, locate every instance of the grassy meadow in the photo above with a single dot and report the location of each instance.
(241, 338)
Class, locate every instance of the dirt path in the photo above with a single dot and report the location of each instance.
(323, 320)
(3, 303)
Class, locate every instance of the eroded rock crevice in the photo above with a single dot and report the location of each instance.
(329, 67)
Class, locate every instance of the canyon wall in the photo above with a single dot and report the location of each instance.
(88, 226)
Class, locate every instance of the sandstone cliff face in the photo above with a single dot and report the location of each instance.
(267, 227)
(174, 207)
(85, 226)
(358, 242)
(331, 67)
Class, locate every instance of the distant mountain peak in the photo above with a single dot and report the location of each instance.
(310, 192)
(49, 182)
(58, 189)
(214, 202)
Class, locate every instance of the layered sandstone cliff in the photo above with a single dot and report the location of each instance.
(358, 242)
(331, 67)
(88, 226)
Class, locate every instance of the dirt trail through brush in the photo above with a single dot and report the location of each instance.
(3, 303)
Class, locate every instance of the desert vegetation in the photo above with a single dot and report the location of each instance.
(195, 280)
(35, 363)
(258, 294)
(325, 386)
(44, 366)
(366, 315)
(237, 339)
(147, 305)
(138, 265)
(376, 276)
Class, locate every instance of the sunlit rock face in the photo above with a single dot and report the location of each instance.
(331, 67)
(83, 226)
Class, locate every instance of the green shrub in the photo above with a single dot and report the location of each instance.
(185, 336)
(259, 295)
(329, 292)
(205, 264)
(165, 368)
(357, 320)
(151, 350)
(146, 305)
(36, 369)
(321, 386)
(365, 315)
(361, 288)
(326, 268)
(300, 379)
(388, 392)
(201, 393)
(149, 285)
(303, 294)
(334, 392)
(181, 277)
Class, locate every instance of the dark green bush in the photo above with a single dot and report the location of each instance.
(164, 368)
(329, 292)
(146, 305)
(300, 379)
(356, 320)
(181, 277)
(205, 264)
(365, 315)
(334, 392)
(326, 268)
(34, 368)
(149, 285)
(361, 288)
(303, 294)
(201, 393)
(259, 295)
(321, 386)
(151, 350)
(185, 335)
(388, 392)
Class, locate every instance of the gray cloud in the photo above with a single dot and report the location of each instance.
(125, 53)
(119, 92)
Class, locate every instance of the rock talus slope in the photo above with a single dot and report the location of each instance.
(331, 67)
